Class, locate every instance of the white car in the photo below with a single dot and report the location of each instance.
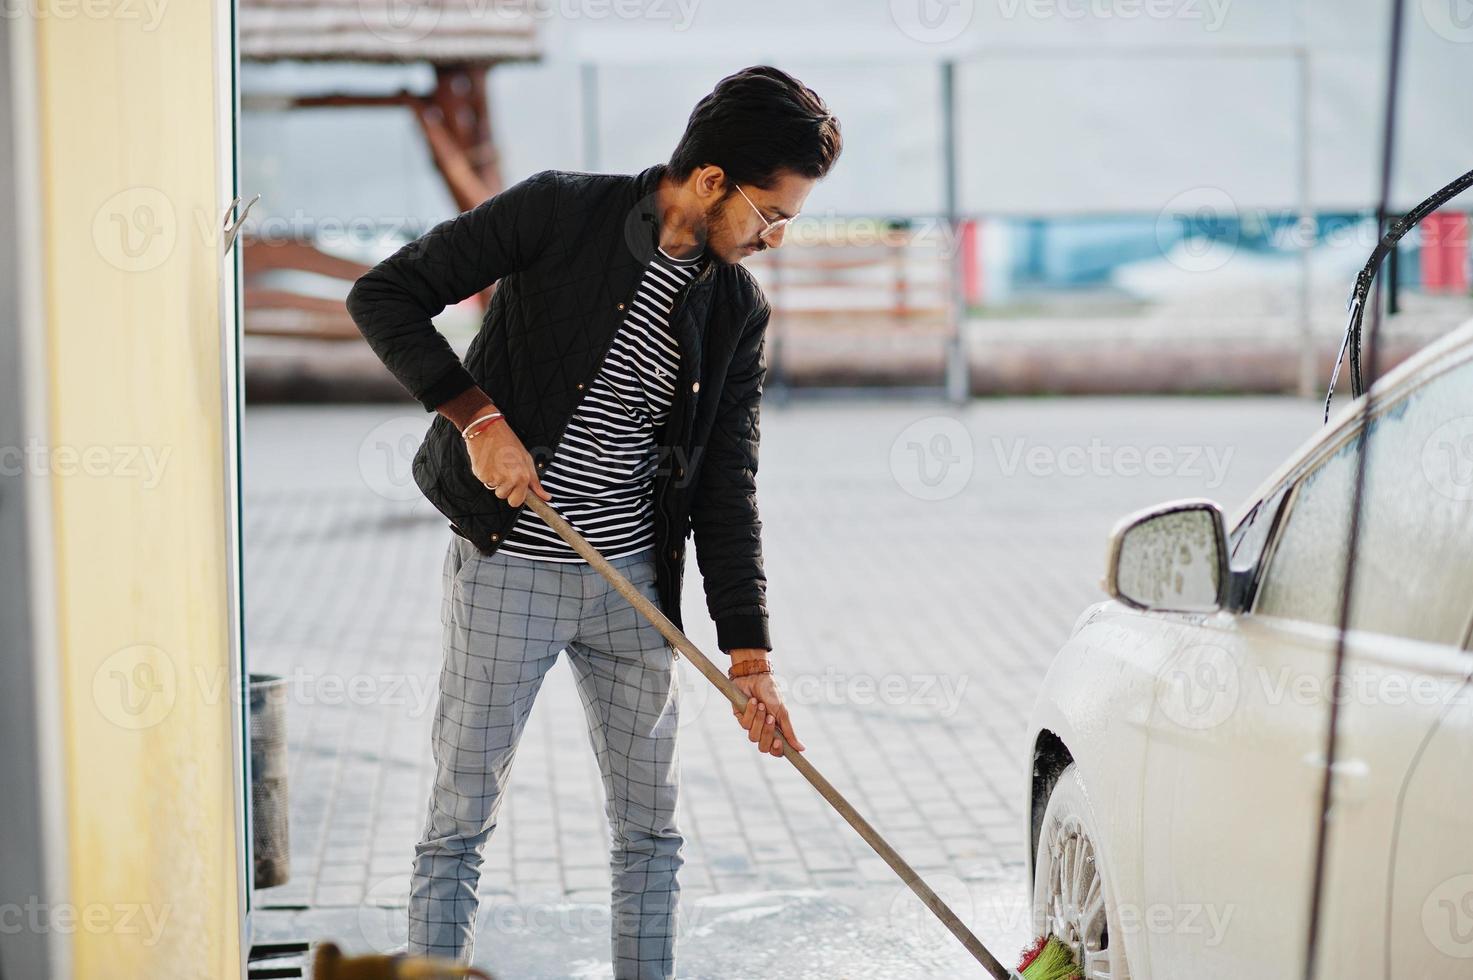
(1178, 749)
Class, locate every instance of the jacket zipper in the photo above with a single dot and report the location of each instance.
(675, 426)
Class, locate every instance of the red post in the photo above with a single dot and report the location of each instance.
(971, 263)
(1445, 253)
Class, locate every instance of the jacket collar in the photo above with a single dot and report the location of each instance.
(646, 183)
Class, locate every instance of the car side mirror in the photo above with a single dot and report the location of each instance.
(1170, 558)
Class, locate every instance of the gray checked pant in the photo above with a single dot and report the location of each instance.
(506, 620)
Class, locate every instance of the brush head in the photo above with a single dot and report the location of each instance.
(1049, 959)
(330, 964)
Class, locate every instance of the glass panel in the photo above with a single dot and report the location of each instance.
(1249, 537)
(1414, 573)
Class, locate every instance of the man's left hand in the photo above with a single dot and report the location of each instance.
(765, 718)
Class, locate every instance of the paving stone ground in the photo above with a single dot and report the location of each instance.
(924, 563)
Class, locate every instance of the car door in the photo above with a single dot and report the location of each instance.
(1235, 749)
(1429, 890)
(1229, 794)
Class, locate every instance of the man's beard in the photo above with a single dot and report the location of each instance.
(712, 221)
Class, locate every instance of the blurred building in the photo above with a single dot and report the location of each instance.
(1099, 176)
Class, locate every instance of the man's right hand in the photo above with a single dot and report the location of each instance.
(502, 463)
(498, 458)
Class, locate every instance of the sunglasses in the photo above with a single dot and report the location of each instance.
(773, 227)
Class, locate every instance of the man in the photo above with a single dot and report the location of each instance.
(617, 375)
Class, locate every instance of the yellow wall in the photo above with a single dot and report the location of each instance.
(130, 171)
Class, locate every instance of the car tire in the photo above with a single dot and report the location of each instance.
(1072, 898)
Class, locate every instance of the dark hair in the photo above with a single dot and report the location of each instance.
(756, 123)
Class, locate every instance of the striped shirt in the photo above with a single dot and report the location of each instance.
(602, 477)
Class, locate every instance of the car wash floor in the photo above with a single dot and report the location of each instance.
(924, 563)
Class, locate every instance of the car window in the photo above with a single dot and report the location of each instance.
(1245, 545)
(1414, 572)
(1248, 540)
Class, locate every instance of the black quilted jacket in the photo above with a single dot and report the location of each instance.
(568, 250)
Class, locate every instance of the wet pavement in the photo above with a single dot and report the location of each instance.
(924, 564)
(844, 934)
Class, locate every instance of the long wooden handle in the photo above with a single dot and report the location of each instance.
(734, 694)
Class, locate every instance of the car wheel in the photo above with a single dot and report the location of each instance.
(1069, 887)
